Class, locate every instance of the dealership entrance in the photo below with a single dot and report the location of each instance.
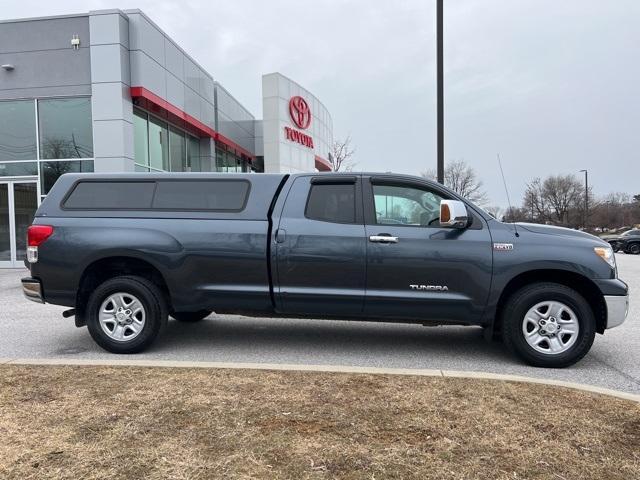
(18, 205)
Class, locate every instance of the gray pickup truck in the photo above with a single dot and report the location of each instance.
(126, 251)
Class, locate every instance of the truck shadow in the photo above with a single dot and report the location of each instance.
(277, 340)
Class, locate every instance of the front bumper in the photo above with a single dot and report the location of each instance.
(32, 289)
(617, 309)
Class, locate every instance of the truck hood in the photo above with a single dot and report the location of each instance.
(560, 231)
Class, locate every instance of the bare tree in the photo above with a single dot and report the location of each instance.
(556, 199)
(340, 156)
(515, 214)
(462, 179)
(494, 211)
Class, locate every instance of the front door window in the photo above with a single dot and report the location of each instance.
(400, 205)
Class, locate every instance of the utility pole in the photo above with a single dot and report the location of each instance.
(440, 89)
(586, 197)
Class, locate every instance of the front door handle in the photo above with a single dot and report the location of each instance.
(383, 238)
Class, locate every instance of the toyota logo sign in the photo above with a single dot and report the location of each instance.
(300, 112)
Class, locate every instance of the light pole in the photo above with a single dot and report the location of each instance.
(586, 197)
(440, 90)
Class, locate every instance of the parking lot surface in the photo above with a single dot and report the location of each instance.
(30, 330)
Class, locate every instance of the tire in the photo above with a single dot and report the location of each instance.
(191, 317)
(117, 296)
(562, 306)
(615, 247)
(634, 248)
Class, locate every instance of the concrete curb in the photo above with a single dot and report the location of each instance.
(320, 368)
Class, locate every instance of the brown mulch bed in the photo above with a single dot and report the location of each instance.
(133, 423)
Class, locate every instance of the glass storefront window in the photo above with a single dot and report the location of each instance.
(227, 162)
(163, 147)
(177, 150)
(65, 128)
(17, 130)
(140, 138)
(193, 154)
(158, 145)
(18, 169)
(51, 171)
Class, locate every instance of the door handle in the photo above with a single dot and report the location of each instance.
(383, 238)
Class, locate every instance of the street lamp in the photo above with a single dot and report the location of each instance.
(586, 197)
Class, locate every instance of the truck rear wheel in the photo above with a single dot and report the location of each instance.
(191, 317)
(125, 314)
(548, 325)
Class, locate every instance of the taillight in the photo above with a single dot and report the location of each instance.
(36, 234)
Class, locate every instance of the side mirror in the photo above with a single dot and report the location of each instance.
(453, 214)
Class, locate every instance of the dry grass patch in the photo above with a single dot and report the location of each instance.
(132, 423)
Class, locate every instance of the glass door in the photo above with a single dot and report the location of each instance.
(18, 205)
(5, 227)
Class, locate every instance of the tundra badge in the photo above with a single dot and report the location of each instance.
(501, 247)
(433, 288)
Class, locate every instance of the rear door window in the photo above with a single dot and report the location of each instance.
(334, 203)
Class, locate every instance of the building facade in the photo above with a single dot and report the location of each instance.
(109, 91)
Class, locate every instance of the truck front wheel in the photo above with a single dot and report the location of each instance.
(125, 314)
(548, 325)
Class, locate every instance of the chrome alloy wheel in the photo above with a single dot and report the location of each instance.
(550, 327)
(122, 316)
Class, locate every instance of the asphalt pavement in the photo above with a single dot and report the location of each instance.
(30, 330)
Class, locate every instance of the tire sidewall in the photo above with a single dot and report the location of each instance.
(530, 296)
(148, 295)
(634, 248)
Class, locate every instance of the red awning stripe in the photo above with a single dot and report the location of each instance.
(322, 165)
(190, 123)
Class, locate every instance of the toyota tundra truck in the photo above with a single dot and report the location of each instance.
(127, 251)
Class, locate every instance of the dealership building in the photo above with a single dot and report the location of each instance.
(109, 91)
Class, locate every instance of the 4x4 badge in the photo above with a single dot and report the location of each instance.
(501, 247)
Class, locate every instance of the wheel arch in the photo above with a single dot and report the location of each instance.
(105, 268)
(582, 284)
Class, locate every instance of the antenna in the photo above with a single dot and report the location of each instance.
(507, 192)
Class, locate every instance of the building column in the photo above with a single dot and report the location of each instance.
(112, 109)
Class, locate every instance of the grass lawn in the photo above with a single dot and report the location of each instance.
(133, 423)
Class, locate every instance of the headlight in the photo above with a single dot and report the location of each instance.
(606, 253)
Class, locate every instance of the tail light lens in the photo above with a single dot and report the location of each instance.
(36, 234)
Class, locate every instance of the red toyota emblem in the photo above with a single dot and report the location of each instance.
(300, 112)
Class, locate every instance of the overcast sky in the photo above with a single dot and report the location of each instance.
(553, 86)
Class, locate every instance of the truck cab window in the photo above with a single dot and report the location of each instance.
(332, 203)
(400, 205)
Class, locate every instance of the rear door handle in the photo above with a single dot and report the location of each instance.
(383, 238)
